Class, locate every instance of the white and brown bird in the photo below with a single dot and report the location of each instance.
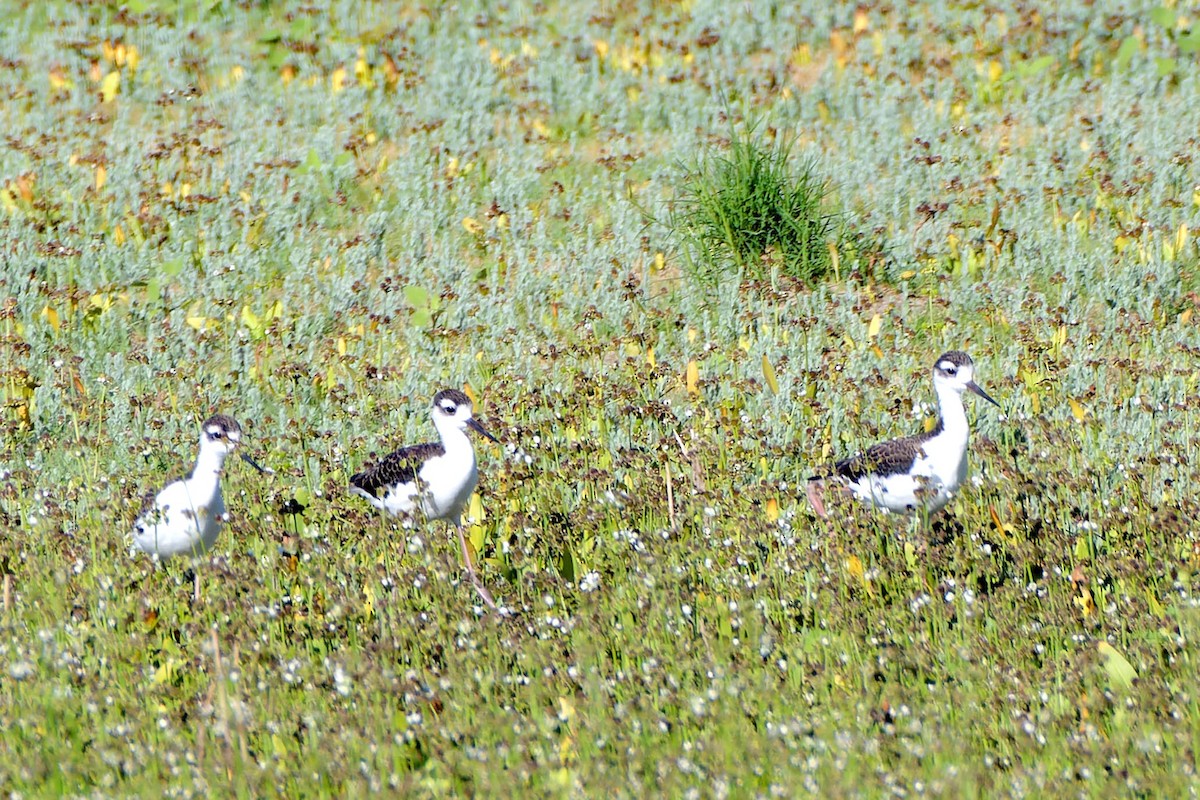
(186, 516)
(914, 473)
(435, 479)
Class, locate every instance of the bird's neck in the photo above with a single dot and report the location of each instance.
(954, 415)
(207, 471)
(456, 442)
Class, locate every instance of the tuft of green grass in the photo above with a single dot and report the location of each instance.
(751, 212)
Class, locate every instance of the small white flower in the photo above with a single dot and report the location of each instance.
(590, 582)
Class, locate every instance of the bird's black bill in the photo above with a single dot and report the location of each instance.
(474, 425)
(974, 387)
(255, 464)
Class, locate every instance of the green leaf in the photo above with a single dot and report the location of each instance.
(276, 55)
(1082, 550)
(1165, 66)
(566, 565)
(173, 267)
(342, 159)
(1163, 16)
(312, 161)
(1125, 52)
(1119, 670)
(769, 375)
(153, 290)
(416, 296)
(1191, 42)
(301, 27)
(1031, 68)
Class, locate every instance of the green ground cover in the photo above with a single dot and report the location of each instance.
(314, 217)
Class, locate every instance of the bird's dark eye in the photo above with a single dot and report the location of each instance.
(951, 370)
(449, 409)
(214, 435)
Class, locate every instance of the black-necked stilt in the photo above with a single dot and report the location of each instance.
(186, 516)
(915, 473)
(435, 478)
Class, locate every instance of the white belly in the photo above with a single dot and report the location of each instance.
(178, 524)
(928, 486)
(444, 489)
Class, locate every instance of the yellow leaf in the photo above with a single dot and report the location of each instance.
(1117, 666)
(855, 567)
(118, 235)
(873, 328)
(862, 21)
(650, 359)
(772, 510)
(1156, 607)
(1035, 403)
(132, 58)
(908, 273)
(101, 176)
(659, 262)
(368, 599)
(475, 509)
(59, 80)
(692, 378)
(237, 73)
(472, 226)
(362, 72)
(341, 345)
(1076, 409)
(337, 81)
(195, 319)
(52, 317)
(1087, 606)
(1185, 317)
(877, 351)
(769, 375)
(109, 86)
(165, 671)
(601, 47)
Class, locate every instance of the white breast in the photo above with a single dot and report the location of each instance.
(445, 487)
(932, 481)
(180, 523)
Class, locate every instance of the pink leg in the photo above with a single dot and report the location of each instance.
(815, 492)
(484, 594)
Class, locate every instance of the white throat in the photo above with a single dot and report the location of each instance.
(953, 413)
(209, 463)
(454, 438)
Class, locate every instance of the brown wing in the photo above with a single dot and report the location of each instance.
(396, 468)
(885, 458)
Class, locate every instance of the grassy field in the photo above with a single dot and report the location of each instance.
(314, 217)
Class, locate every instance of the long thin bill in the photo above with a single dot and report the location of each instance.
(255, 464)
(474, 425)
(974, 387)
